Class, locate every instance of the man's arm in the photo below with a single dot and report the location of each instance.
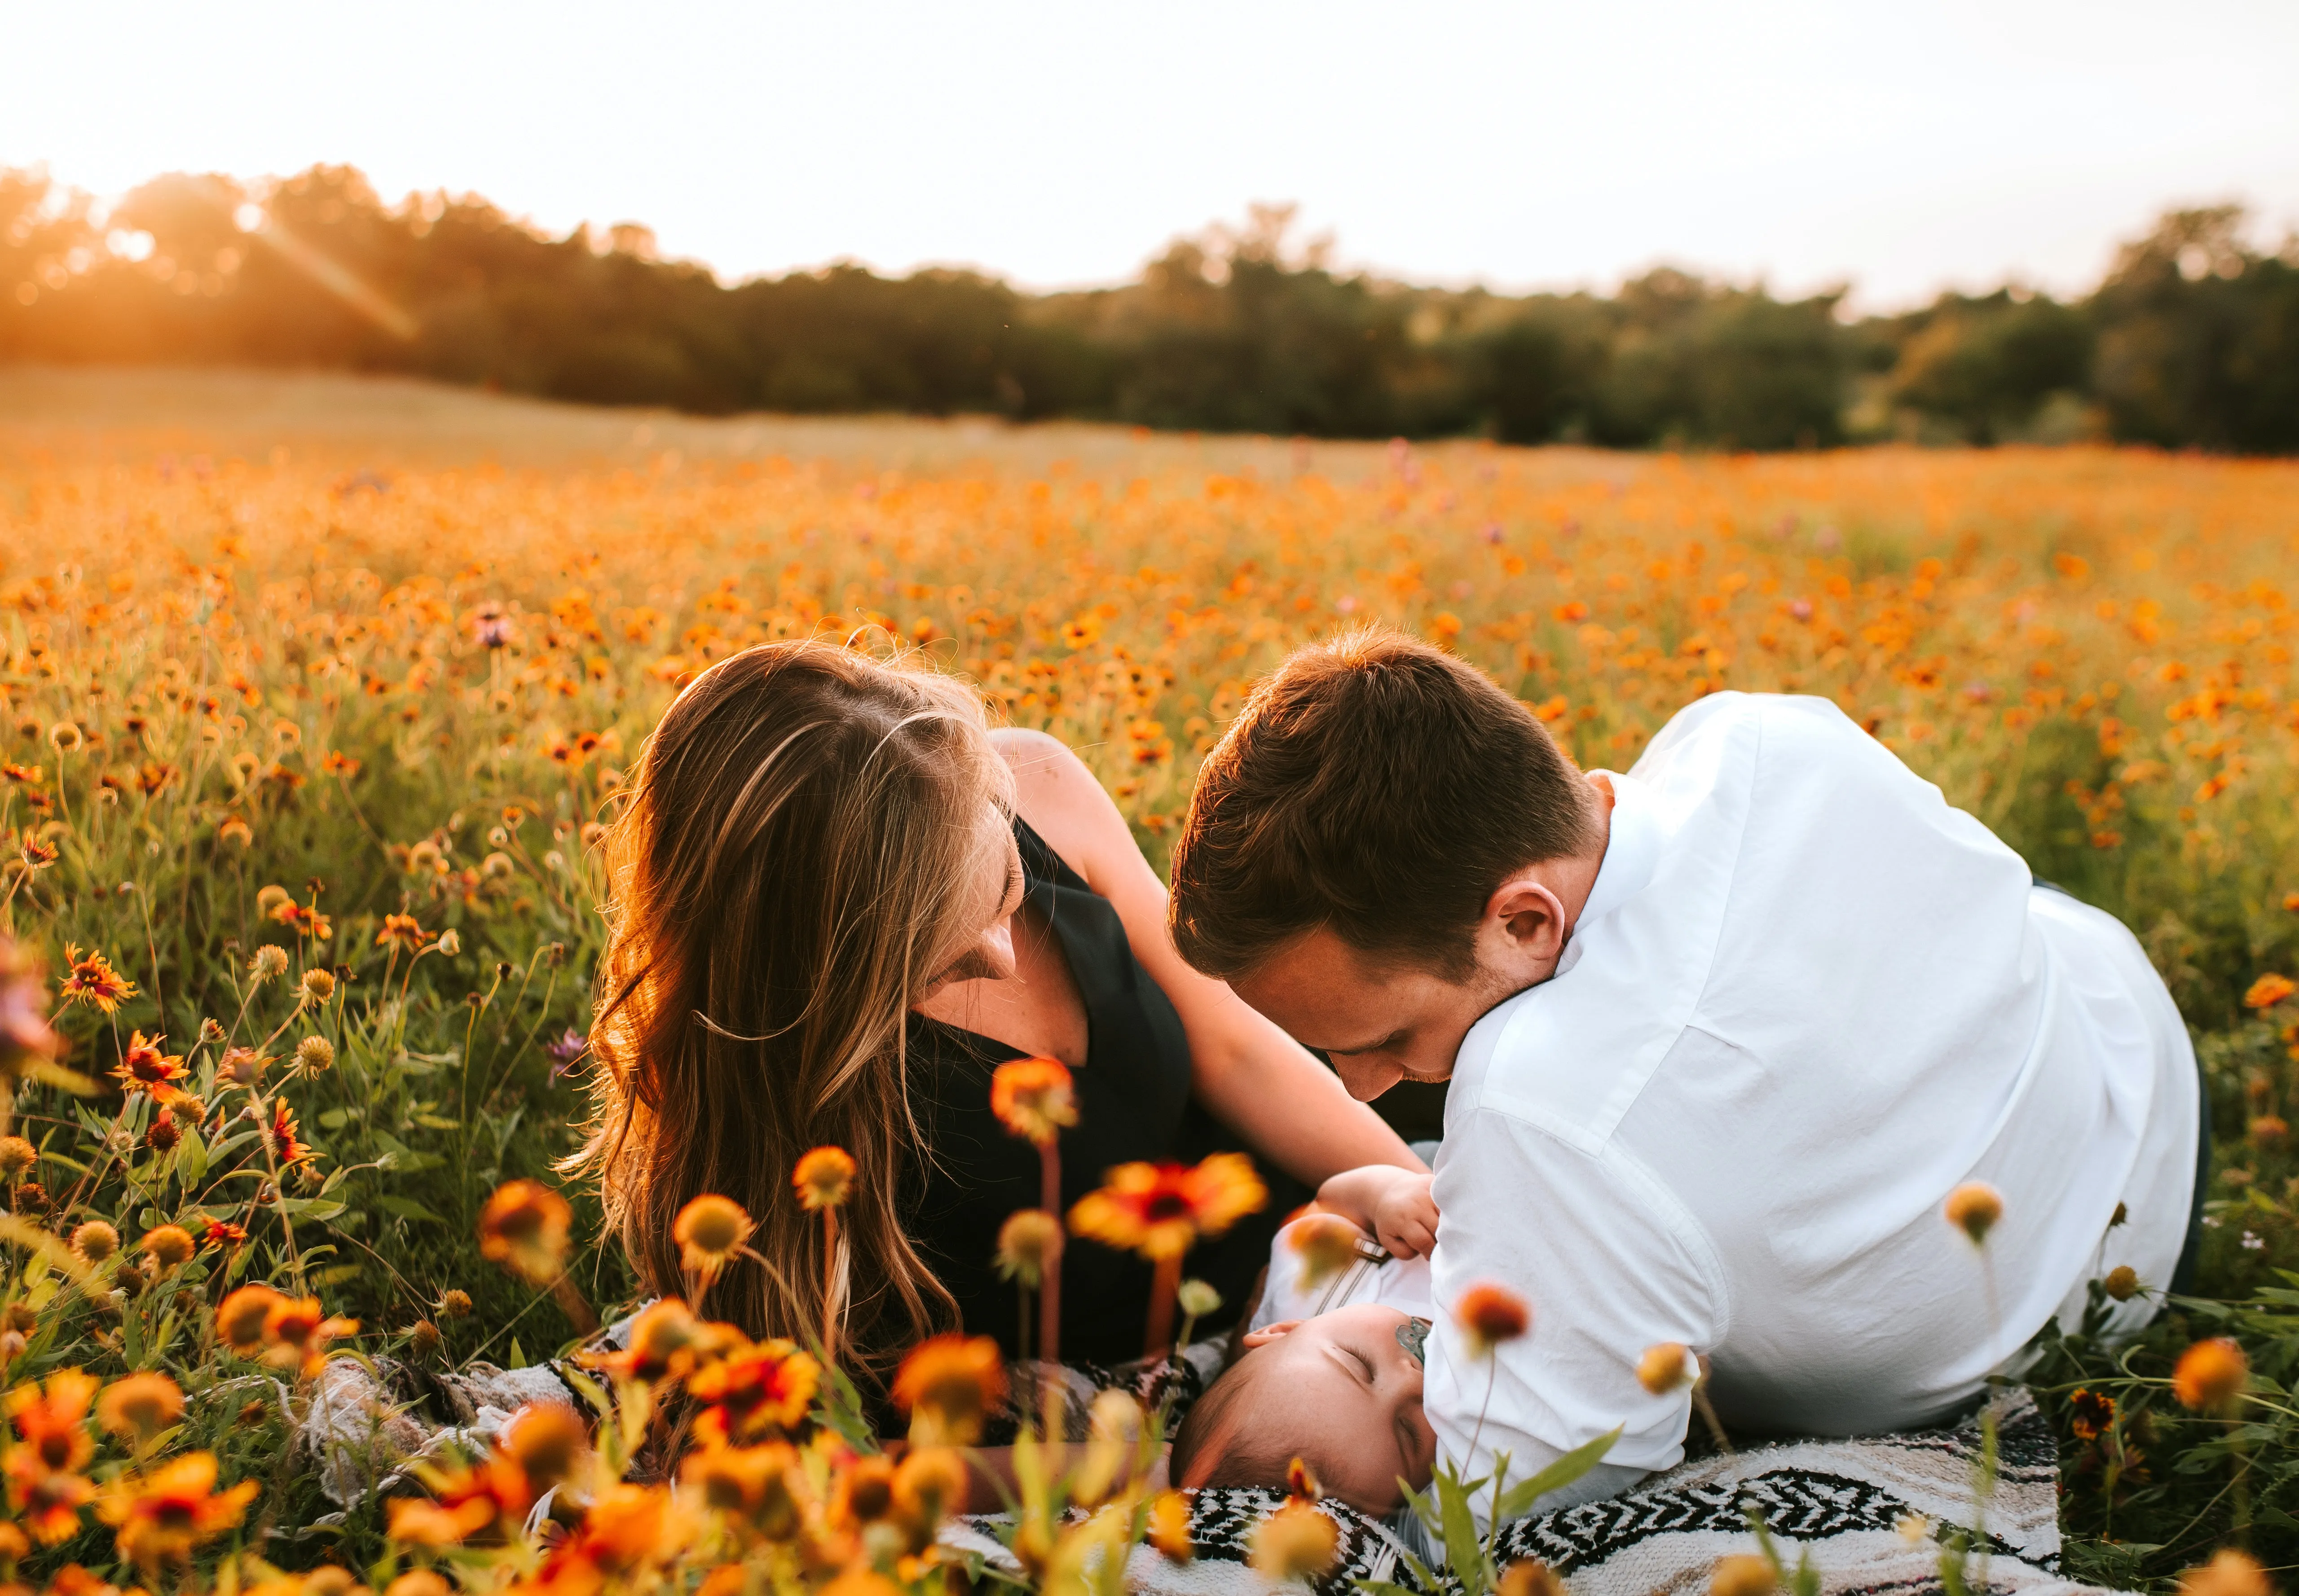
(1610, 1264)
(1255, 1078)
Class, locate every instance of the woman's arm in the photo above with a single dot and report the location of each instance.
(1254, 1078)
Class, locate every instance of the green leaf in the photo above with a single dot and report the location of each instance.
(408, 1208)
(838, 1407)
(334, 1119)
(589, 1390)
(69, 1080)
(313, 1208)
(1571, 1466)
(437, 1123)
(191, 1159)
(1465, 1554)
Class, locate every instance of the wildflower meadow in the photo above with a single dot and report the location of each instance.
(307, 738)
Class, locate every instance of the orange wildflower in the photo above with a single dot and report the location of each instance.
(25, 1035)
(143, 1068)
(1973, 1208)
(546, 1441)
(48, 1504)
(865, 1492)
(1490, 1314)
(661, 1347)
(1029, 1244)
(2092, 1413)
(1296, 1542)
(710, 1231)
(930, 1483)
(140, 1405)
(223, 1233)
(1169, 1526)
(161, 1517)
(287, 1143)
(1529, 1576)
(755, 1391)
(2229, 1573)
(524, 1228)
(1302, 1482)
(93, 981)
(1033, 1099)
(51, 1425)
(822, 1176)
(948, 1384)
(463, 1502)
(1326, 1244)
(401, 931)
(296, 1331)
(1159, 1210)
(625, 1527)
(754, 1481)
(1741, 1573)
(45, 1485)
(2268, 991)
(168, 1246)
(306, 921)
(1666, 1367)
(241, 1317)
(2210, 1375)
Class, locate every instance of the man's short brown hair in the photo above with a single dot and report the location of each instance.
(1376, 788)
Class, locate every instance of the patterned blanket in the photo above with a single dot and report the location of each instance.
(1871, 1511)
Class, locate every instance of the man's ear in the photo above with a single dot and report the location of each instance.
(1269, 1333)
(1526, 920)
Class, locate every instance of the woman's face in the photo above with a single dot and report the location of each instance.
(991, 893)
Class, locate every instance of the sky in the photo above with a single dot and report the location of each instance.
(1901, 147)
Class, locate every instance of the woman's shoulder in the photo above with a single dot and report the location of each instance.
(1059, 800)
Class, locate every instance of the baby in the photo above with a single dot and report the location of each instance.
(1331, 1372)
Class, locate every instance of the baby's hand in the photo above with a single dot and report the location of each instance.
(1393, 1203)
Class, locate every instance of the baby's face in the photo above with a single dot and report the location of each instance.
(1345, 1389)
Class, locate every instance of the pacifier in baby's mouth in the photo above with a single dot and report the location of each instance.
(1412, 1335)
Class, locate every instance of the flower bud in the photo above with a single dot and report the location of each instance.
(1741, 1575)
(1029, 1244)
(1665, 1366)
(2210, 1375)
(1974, 1208)
(96, 1241)
(2122, 1282)
(314, 1054)
(168, 1246)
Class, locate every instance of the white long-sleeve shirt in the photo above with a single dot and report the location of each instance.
(1805, 1001)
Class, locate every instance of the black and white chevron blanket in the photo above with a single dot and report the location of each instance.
(1873, 1512)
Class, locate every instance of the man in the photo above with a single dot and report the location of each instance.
(1723, 1033)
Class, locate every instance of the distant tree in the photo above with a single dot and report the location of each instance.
(1984, 367)
(1534, 378)
(2191, 342)
(2199, 337)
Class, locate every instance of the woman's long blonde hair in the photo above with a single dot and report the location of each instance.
(796, 854)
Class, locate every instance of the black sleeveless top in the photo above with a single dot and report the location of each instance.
(1133, 1104)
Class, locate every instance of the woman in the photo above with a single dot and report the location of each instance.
(839, 901)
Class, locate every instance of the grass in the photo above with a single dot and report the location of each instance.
(243, 645)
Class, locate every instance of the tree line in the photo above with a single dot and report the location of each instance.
(2191, 340)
